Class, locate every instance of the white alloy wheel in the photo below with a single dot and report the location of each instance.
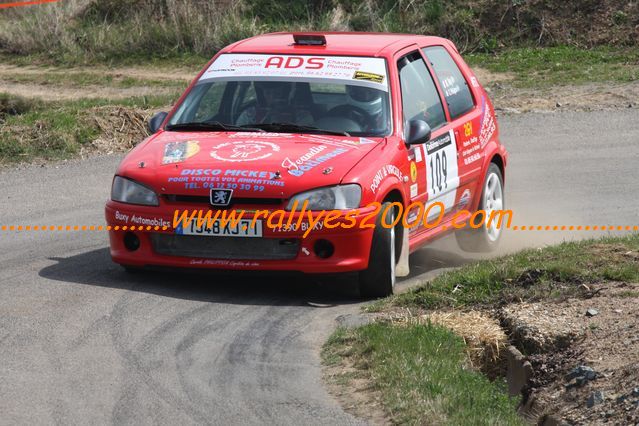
(493, 200)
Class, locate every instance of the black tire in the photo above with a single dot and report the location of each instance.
(478, 240)
(378, 280)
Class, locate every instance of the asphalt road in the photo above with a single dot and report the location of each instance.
(83, 342)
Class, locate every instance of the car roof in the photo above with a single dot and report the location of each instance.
(337, 43)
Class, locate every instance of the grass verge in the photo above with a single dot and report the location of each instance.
(422, 374)
(554, 272)
(33, 129)
(561, 65)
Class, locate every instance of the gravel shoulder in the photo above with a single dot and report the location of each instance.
(98, 82)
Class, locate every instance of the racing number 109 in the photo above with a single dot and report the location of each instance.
(438, 172)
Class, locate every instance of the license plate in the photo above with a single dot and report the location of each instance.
(243, 228)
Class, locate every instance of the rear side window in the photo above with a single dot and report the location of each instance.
(452, 81)
(420, 99)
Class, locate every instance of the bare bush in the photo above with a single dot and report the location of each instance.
(90, 30)
(106, 30)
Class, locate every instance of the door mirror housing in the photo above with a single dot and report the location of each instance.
(418, 132)
(156, 121)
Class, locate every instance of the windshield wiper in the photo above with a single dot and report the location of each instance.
(211, 126)
(291, 127)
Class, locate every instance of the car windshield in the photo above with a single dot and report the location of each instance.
(352, 102)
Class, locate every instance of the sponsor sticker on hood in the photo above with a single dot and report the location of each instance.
(244, 151)
(176, 152)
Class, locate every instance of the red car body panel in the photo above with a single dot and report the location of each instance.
(359, 160)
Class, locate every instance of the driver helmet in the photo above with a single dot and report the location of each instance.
(366, 98)
(275, 92)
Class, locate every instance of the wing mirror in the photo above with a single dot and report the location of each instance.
(418, 132)
(156, 121)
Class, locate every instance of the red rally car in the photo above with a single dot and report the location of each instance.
(336, 120)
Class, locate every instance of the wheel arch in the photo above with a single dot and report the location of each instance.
(394, 195)
(499, 161)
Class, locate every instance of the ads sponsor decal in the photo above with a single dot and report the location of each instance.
(470, 147)
(244, 151)
(488, 125)
(418, 154)
(221, 262)
(176, 152)
(236, 179)
(253, 135)
(292, 165)
(413, 171)
(346, 143)
(414, 190)
(187, 136)
(438, 143)
(298, 169)
(150, 221)
(464, 200)
(141, 220)
(387, 170)
(413, 215)
(450, 86)
(354, 70)
(364, 141)
(368, 76)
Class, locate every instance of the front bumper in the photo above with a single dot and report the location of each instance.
(351, 246)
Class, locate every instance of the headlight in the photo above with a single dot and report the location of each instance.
(341, 197)
(127, 191)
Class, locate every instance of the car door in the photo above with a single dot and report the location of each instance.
(464, 116)
(434, 169)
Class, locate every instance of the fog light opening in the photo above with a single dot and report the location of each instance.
(323, 249)
(131, 241)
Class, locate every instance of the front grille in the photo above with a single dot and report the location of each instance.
(205, 199)
(225, 247)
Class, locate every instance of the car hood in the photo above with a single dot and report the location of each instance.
(256, 165)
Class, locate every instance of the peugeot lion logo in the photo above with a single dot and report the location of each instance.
(221, 197)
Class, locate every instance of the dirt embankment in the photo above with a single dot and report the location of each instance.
(565, 339)
(584, 355)
(579, 364)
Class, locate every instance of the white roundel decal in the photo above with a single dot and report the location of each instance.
(244, 151)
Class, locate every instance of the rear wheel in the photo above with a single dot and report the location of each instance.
(485, 238)
(378, 280)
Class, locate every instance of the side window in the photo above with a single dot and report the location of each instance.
(420, 99)
(452, 81)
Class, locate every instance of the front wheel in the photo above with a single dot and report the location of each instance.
(378, 280)
(485, 238)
